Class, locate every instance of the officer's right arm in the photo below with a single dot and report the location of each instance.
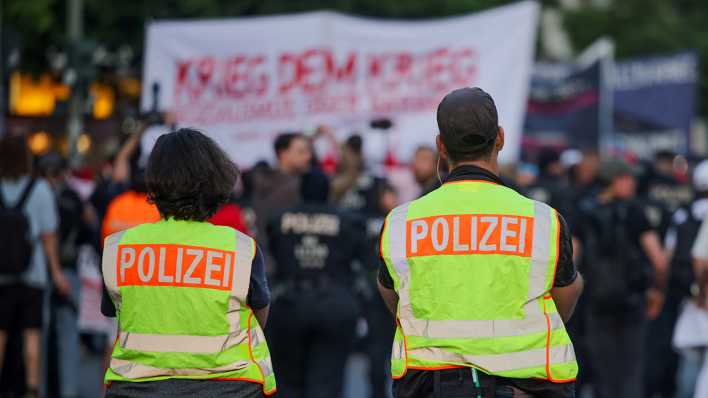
(384, 281)
(385, 285)
(567, 283)
(262, 315)
(389, 297)
(258, 290)
(566, 297)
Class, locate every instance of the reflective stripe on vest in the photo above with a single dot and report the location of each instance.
(538, 337)
(142, 260)
(180, 343)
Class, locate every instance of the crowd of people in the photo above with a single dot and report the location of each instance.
(637, 239)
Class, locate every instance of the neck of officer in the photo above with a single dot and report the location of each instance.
(491, 164)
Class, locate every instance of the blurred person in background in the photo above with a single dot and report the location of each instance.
(77, 225)
(661, 194)
(353, 187)
(582, 186)
(425, 169)
(115, 176)
(367, 198)
(125, 190)
(626, 271)
(244, 197)
(325, 148)
(187, 330)
(583, 176)
(701, 385)
(680, 238)
(389, 200)
(700, 290)
(570, 158)
(380, 322)
(129, 208)
(277, 189)
(660, 191)
(230, 215)
(315, 311)
(549, 185)
(661, 183)
(105, 188)
(22, 290)
(525, 175)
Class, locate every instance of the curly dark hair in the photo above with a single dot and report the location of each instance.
(188, 176)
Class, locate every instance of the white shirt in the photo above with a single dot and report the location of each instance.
(699, 208)
(700, 246)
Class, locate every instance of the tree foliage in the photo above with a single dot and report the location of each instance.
(42, 23)
(638, 27)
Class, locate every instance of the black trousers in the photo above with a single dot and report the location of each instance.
(311, 334)
(453, 383)
(616, 349)
(662, 361)
(378, 346)
(178, 388)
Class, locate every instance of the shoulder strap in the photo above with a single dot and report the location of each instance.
(25, 194)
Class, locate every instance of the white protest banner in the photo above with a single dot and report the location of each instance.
(245, 80)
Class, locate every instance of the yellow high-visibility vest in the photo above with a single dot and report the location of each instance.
(180, 290)
(473, 264)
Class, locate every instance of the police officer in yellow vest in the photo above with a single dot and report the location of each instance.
(479, 277)
(191, 298)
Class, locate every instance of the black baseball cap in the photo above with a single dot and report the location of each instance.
(468, 121)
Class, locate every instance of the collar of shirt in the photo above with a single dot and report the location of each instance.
(472, 173)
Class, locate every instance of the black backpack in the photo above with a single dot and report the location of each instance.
(682, 274)
(15, 235)
(616, 272)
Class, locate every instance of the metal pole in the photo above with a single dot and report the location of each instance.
(607, 126)
(74, 123)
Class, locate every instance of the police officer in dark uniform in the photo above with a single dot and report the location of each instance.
(315, 310)
(367, 198)
(660, 193)
(380, 323)
(626, 271)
